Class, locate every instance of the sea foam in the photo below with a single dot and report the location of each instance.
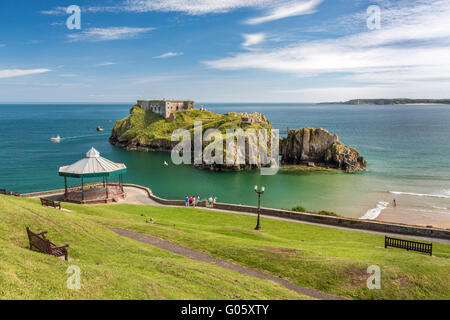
(445, 194)
(375, 212)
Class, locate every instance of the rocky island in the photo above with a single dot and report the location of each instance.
(149, 127)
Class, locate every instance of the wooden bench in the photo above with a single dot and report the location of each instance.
(51, 203)
(409, 245)
(39, 241)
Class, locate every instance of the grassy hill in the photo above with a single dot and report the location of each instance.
(112, 267)
(331, 260)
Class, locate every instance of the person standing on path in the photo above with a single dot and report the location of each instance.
(210, 201)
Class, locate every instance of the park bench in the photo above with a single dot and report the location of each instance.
(408, 245)
(39, 241)
(51, 203)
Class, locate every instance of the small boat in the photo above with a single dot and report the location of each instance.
(55, 139)
(99, 128)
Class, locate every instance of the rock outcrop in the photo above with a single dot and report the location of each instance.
(318, 147)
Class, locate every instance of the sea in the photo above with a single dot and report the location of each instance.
(407, 148)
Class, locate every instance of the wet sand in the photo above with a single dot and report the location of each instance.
(415, 217)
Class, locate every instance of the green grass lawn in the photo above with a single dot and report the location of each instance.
(331, 260)
(112, 267)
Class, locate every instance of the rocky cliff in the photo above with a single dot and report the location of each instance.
(318, 147)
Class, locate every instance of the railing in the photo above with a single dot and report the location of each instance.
(408, 245)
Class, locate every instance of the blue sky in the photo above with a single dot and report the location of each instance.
(223, 50)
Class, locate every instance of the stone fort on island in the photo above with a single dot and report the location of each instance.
(166, 108)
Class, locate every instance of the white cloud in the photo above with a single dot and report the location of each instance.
(10, 73)
(413, 44)
(289, 10)
(277, 9)
(106, 34)
(253, 39)
(106, 63)
(193, 7)
(58, 11)
(169, 55)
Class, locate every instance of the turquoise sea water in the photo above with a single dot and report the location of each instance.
(407, 149)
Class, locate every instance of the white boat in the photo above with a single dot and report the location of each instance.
(55, 139)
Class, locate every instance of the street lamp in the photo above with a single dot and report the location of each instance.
(258, 225)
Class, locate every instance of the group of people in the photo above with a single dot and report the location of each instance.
(193, 201)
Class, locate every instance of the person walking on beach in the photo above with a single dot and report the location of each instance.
(186, 201)
(395, 203)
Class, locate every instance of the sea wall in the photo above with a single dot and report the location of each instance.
(306, 217)
(316, 218)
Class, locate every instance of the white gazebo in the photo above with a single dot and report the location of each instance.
(93, 166)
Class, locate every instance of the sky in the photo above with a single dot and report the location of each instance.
(224, 50)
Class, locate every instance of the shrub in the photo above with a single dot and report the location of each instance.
(299, 209)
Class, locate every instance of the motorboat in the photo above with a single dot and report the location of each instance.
(55, 139)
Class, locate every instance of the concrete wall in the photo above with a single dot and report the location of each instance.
(307, 217)
(316, 218)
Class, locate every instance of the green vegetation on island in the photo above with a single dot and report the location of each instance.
(392, 101)
(144, 128)
(332, 260)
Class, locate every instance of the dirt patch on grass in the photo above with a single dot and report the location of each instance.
(357, 276)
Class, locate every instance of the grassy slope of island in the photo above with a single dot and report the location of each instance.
(327, 259)
(145, 127)
(112, 267)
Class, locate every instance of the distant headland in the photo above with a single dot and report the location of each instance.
(404, 101)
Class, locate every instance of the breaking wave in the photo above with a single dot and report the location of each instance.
(375, 212)
(445, 194)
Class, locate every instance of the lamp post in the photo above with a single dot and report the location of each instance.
(259, 192)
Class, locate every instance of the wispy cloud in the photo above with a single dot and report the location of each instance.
(413, 45)
(169, 55)
(292, 9)
(253, 39)
(106, 34)
(57, 11)
(10, 73)
(105, 64)
(276, 9)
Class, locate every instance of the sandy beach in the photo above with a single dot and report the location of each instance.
(415, 217)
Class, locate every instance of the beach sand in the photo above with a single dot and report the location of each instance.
(415, 217)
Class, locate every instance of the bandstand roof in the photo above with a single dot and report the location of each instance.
(92, 166)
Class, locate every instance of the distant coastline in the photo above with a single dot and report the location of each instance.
(399, 101)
